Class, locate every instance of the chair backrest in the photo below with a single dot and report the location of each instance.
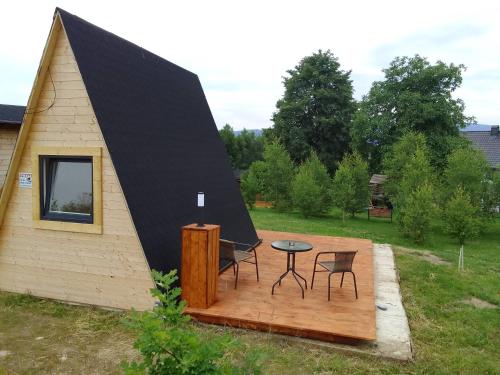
(226, 250)
(344, 260)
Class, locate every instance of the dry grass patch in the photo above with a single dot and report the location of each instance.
(424, 255)
(479, 303)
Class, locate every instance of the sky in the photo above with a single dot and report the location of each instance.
(241, 50)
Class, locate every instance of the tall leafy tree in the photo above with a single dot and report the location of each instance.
(415, 95)
(316, 110)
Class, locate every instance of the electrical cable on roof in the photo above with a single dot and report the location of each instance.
(27, 112)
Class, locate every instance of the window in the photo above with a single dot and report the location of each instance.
(66, 189)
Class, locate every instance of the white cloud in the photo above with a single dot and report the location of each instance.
(240, 50)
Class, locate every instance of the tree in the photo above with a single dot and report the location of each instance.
(229, 140)
(396, 159)
(277, 175)
(316, 110)
(416, 173)
(468, 168)
(311, 188)
(242, 149)
(411, 184)
(418, 211)
(249, 148)
(252, 182)
(415, 95)
(460, 216)
(350, 185)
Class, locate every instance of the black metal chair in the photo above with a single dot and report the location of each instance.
(341, 263)
(228, 252)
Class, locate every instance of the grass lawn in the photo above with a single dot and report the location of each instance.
(449, 336)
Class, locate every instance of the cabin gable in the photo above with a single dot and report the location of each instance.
(107, 269)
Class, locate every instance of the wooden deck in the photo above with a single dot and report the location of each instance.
(343, 319)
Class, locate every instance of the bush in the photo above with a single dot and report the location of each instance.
(311, 188)
(167, 343)
(418, 211)
(460, 217)
(351, 192)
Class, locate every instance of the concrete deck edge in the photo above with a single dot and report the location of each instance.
(393, 330)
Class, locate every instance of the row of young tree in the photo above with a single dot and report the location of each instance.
(465, 195)
(308, 187)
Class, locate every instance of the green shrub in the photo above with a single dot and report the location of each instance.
(167, 342)
(311, 188)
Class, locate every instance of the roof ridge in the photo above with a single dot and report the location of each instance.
(71, 15)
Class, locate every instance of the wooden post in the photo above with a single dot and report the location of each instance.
(200, 264)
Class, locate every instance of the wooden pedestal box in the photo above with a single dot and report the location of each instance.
(200, 264)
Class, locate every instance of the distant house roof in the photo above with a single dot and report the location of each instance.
(476, 128)
(487, 141)
(378, 179)
(11, 114)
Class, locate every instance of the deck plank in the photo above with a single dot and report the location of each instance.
(343, 319)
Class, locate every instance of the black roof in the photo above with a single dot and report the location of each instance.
(488, 142)
(162, 139)
(11, 114)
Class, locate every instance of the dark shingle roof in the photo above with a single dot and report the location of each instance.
(476, 128)
(11, 114)
(488, 143)
(162, 139)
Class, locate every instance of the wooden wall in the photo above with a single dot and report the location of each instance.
(108, 270)
(8, 136)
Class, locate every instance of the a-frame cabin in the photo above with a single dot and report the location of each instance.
(115, 144)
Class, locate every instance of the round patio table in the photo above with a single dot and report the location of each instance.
(291, 247)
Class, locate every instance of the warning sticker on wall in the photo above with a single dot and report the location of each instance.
(25, 180)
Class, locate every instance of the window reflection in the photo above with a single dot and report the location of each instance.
(67, 189)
